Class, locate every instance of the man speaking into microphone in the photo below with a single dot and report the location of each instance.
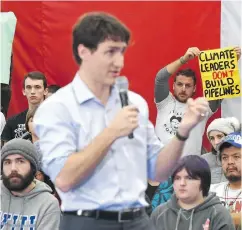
(99, 172)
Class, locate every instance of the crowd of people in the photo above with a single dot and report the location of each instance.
(67, 162)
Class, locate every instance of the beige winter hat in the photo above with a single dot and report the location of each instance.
(225, 125)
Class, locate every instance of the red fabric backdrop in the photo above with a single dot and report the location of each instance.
(161, 32)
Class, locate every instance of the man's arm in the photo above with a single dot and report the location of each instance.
(81, 164)
(171, 153)
(74, 167)
(162, 77)
(162, 85)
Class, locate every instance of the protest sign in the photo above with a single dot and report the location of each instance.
(220, 73)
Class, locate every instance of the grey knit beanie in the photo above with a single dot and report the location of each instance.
(225, 125)
(24, 148)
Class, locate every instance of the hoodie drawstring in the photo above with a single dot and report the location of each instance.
(9, 204)
(178, 219)
(191, 219)
(22, 211)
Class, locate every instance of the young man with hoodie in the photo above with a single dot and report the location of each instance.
(192, 207)
(230, 192)
(216, 131)
(26, 203)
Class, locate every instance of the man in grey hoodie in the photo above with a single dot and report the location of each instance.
(26, 203)
(192, 207)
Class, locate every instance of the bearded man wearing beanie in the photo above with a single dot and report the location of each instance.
(26, 203)
(216, 131)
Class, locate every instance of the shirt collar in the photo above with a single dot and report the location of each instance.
(83, 93)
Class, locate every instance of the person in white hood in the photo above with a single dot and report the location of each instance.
(26, 203)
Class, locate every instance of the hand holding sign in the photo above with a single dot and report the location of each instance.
(191, 53)
(238, 52)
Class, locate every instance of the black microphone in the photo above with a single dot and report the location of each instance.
(123, 86)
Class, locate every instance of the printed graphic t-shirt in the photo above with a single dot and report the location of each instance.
(15, 127)
(230, 198)
(170, 113)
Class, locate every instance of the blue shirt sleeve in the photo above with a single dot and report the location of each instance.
(57, 139)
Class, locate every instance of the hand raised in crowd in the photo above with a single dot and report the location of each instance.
(191, 53)
(237, 50)
(125, 121)
(196, 111)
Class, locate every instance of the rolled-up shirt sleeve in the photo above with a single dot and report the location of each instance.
(154, 147)
(57, 139)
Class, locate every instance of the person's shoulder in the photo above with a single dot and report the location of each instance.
(22, 114)
(207, 156)
(220, 210)
(161, 209)
(4, 190)
(50, 199)
(217, 187)
(164, 206)
(169, 100)
(17, 116)
(50, 204)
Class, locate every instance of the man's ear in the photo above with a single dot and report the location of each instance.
(195, 88)
(83, 52)
(23, 92)
(46, 91)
